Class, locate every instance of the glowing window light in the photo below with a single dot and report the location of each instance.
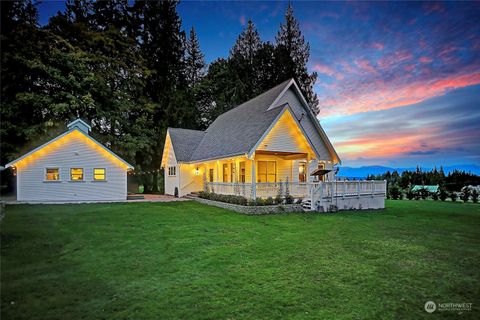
(99, 174)
(52, 174)
(76, 174)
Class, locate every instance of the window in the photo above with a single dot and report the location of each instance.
(76, 174)
(267, 171)
(99, 174)
(225, 172)
(232, 172)
(210, 175)
(172, 171)
(302, 172)
(52, 174)
(242, 171)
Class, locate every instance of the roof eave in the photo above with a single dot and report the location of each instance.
(12, 163)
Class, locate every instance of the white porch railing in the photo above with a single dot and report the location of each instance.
(316, 190)
(326, 191)
(263, 189)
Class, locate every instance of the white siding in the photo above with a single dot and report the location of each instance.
(76, 153)
(308, 126)
(285, 136)
(171, 182)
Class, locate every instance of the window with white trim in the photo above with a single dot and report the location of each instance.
(99, 174)
(52, 174)
(267, 171)
(172, 171)
(76, 174)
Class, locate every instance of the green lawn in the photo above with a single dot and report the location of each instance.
(185, 260)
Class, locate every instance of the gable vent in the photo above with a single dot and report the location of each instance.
(80, 125)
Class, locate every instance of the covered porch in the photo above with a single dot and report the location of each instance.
(265, 174)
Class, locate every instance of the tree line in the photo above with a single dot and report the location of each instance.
(399, 185)
(132, 71)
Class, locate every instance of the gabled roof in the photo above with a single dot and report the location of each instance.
(184, 142)
(63, 135)
(237, 131)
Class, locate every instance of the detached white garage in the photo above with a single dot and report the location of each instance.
(71, 167)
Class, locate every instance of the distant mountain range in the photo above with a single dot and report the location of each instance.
(363, 172)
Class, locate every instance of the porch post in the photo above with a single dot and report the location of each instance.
(254, 184)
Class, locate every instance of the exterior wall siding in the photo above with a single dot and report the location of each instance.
(31, 184)
(285, 136)
(171, 182)
(308, 126)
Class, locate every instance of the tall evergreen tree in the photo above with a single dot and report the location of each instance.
(78, 10)
(21, 117)
(194, 60)
(247, 44)
(296, 52)
(242, 61)
(162, 42)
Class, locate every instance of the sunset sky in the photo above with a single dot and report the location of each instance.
(399, 83)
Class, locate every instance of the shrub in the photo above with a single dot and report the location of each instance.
(474, 196)
(423, 193)
(223, 198)
(465, 196)
(278, 199)
(395, 192)
(417, 195)
(453, 196)
(299, 201)
(443, 195)
(409, 194)
(289, 199)
(259, 202)
(204, 194)
(269, 201)
(435, 196)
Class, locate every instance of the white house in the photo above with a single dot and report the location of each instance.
(260, 147)
(71, 167)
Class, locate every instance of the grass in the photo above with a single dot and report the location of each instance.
(185, 260)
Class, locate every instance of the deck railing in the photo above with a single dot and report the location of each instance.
(344, 189)
(315, 190)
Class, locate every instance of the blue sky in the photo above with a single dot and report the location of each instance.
(398, 82)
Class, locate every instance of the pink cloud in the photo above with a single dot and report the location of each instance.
(398, 57)
(409, 68)
(242, 20)
(365, 66)
(324, 69)
(378, 46)
(425, 59)
(379, 95)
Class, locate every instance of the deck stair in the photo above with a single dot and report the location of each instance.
(135, 197)
(307, 204)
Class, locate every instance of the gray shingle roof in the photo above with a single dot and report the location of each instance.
(232, 133)
(184, 142)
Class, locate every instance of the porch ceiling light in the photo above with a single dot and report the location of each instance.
(196, 171)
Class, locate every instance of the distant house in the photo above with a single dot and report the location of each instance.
(261, 148)
(431, 188)
(71, 167)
